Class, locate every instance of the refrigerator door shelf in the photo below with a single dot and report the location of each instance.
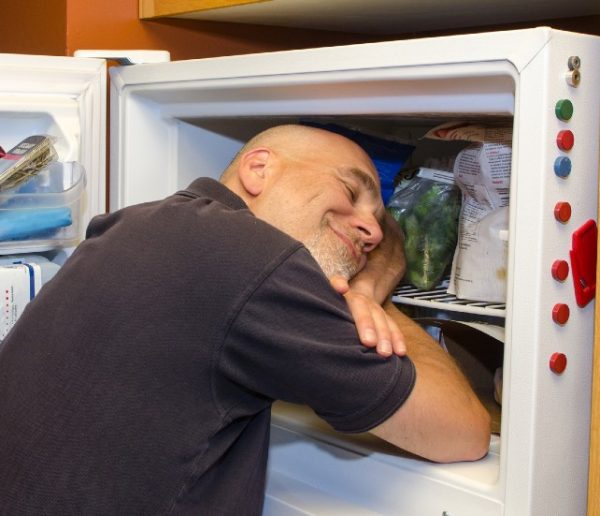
(64, 98)
(45, 212)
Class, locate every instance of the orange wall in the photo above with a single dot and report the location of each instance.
(33, 26)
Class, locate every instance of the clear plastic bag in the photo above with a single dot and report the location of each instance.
(427, 207)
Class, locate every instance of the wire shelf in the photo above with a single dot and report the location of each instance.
(439, 299)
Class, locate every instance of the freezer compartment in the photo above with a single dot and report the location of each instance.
(45, 212)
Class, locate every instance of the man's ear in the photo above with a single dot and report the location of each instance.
(252, 170)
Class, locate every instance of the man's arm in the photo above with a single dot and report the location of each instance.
(442, 419)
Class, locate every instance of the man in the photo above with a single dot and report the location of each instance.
(140, 379)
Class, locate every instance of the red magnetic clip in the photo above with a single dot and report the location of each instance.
(583, 262)
(2, 153)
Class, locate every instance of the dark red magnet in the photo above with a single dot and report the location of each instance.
(558, 363)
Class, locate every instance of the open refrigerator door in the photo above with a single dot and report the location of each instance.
(53, 128)
(53, 136)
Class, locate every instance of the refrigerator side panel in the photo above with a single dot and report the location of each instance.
(546, 413)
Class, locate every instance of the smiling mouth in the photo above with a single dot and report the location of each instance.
(355, 249)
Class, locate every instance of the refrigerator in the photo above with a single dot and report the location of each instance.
(171, 122)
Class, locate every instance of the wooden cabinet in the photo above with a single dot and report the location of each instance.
(374, 16)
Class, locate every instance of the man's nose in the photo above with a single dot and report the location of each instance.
(370, 232)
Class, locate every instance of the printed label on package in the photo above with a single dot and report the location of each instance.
(19, 283)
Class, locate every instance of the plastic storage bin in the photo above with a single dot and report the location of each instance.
(45, 212)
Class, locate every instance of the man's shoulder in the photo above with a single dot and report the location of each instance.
(228, 216)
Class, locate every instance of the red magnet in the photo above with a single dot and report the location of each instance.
(560, 313)
(558, 363)
(583, 262)
(562, 211)
(560, 270)
(565, 140)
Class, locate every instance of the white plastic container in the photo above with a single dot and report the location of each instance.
(45, 212)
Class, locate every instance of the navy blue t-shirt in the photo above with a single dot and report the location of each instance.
(140, 380)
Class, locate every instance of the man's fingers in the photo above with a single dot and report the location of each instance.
(375, 328)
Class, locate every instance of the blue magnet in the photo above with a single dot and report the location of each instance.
(562, 166)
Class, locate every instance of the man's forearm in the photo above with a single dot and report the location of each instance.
(422, 348)
(442, 420)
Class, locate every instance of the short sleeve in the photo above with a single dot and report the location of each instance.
(294, 340)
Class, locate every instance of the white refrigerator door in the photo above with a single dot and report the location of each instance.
(65, 98)
(176, 121)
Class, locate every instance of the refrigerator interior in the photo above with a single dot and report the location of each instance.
(198, 145)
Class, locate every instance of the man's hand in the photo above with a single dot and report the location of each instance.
(375, 328)
(372, 286)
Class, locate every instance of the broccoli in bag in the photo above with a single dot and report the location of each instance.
(427, 207)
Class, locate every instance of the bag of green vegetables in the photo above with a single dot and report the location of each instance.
(427, 207)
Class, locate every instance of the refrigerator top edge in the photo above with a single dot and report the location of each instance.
(32, 62)
(517, 47)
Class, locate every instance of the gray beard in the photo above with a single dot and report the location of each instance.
(333, 259)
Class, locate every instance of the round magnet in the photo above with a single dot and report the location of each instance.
(564, 109)
(558, 363)
(562, 211)
(574, 62)
(560, 313)
(562, 166)
(560, 270)
(565, 140)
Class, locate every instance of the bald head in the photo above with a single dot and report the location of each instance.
(318, 187)
(295, 142)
